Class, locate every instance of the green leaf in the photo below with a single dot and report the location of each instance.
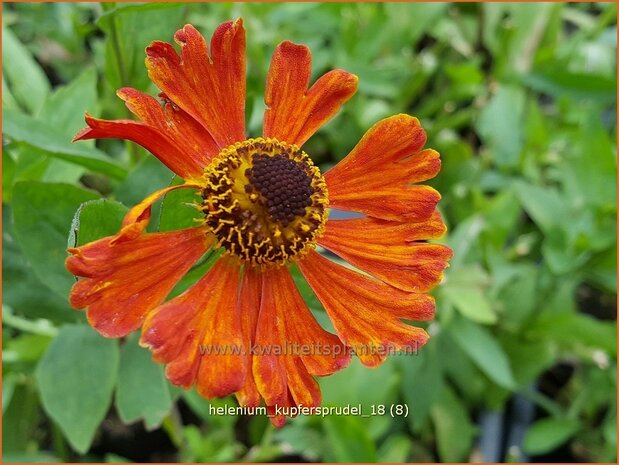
(560, 82)
(352, 387)
(549, 433)
(42, 215)
(76, 379)
(129, 29)
(479, 344)
(454, 430)
(471, 303)
(148, 176)
(395, 449)
(21, 289)
(96, 219)
(24, 128)
(422, 381)
(26, 79)
(500, 125)
(349, 440)
(142, 390)
(66, 106)
(573, 329)
(178, 210)
(543, 205)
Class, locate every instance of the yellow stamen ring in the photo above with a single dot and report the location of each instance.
(265, 201)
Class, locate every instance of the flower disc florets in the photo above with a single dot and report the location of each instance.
(265, 201)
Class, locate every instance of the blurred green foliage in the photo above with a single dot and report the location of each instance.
(520, 100)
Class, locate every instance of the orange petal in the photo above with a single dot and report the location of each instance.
(398, 203)
(269, 372)
(410, 266)
(295, 112)
(151, 138)
(249, 303)
(210, 88)
(192, 139)
(124, 280)
(198, 334)
(366, 312)
(376, 175)
(322, 353)
(387, 232)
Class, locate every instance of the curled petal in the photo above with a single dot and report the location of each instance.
(191, 138)
(411, 266)
(166, 149)
(198, 334)
(126, 279)
(295, 112)
(366, 312)
(136, 220)
(210, 88)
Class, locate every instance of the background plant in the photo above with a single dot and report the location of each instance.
(520, 100)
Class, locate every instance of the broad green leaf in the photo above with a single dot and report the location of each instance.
(24, 128)
(544, 205)
(21, 288)
(178, 210)
(548, 434)
(66, 106)
(454, 430)
(26, 79)
(42, 215)
(148, 176)
(142, 390)
(76, 378)
(129, 30)
(349, 440)
(479, 344)
(96, 219)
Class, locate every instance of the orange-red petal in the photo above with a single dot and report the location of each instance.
(388, 232)
(249, 307)
(191, 138)
(198, 334)
(411, 266)
(291, 346)
(126, 279)
(269, 372)
(209, 87)
(295, 112)
(366, 312)
(376, 176)
(151, 138)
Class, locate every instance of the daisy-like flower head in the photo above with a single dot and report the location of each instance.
(244, 328)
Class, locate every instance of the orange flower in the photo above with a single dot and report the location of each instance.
(244, 328)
